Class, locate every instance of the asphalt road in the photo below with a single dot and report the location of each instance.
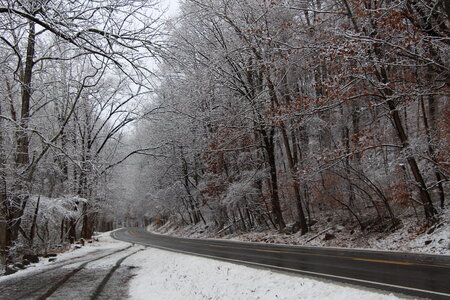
(412, 274)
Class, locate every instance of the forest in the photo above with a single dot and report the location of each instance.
(238, 115)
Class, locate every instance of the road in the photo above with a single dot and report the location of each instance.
(418, 275)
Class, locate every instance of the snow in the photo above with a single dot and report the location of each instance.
(169, 275)
(105, 243)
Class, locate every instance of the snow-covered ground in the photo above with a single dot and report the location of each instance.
(412, 236)
(82, 274)
(105, 244)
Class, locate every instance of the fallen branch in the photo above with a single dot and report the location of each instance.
(322, 232)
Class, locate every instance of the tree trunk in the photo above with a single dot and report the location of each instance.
(275, 200)
(61, 230)
(424, 195)
(34, 222)
(290, 160)
(72, 234)
(294, 177)
(244, 227)
(3, 204)
(191, 200)
(15, 209)
(428, 131)
(89, 220)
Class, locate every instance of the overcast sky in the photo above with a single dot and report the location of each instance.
(172, 6)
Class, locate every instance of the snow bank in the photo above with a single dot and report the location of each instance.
(169, 275)
(105, 242)
(412, 236)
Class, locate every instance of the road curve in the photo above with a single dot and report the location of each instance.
(412, 274)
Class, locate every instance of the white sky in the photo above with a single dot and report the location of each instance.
(172, 6)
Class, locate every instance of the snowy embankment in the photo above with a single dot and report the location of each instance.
(75, 254)
(411, 236)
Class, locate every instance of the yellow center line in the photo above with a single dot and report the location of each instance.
(182, 242)
(390, 262)
(265, 250)
(262, 250)
(219, 246)
(133, 233)
(309, 254)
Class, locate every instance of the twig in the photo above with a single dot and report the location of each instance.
(323, 231)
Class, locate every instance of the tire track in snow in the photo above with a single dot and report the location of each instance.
(44, 283)
(69, 275)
